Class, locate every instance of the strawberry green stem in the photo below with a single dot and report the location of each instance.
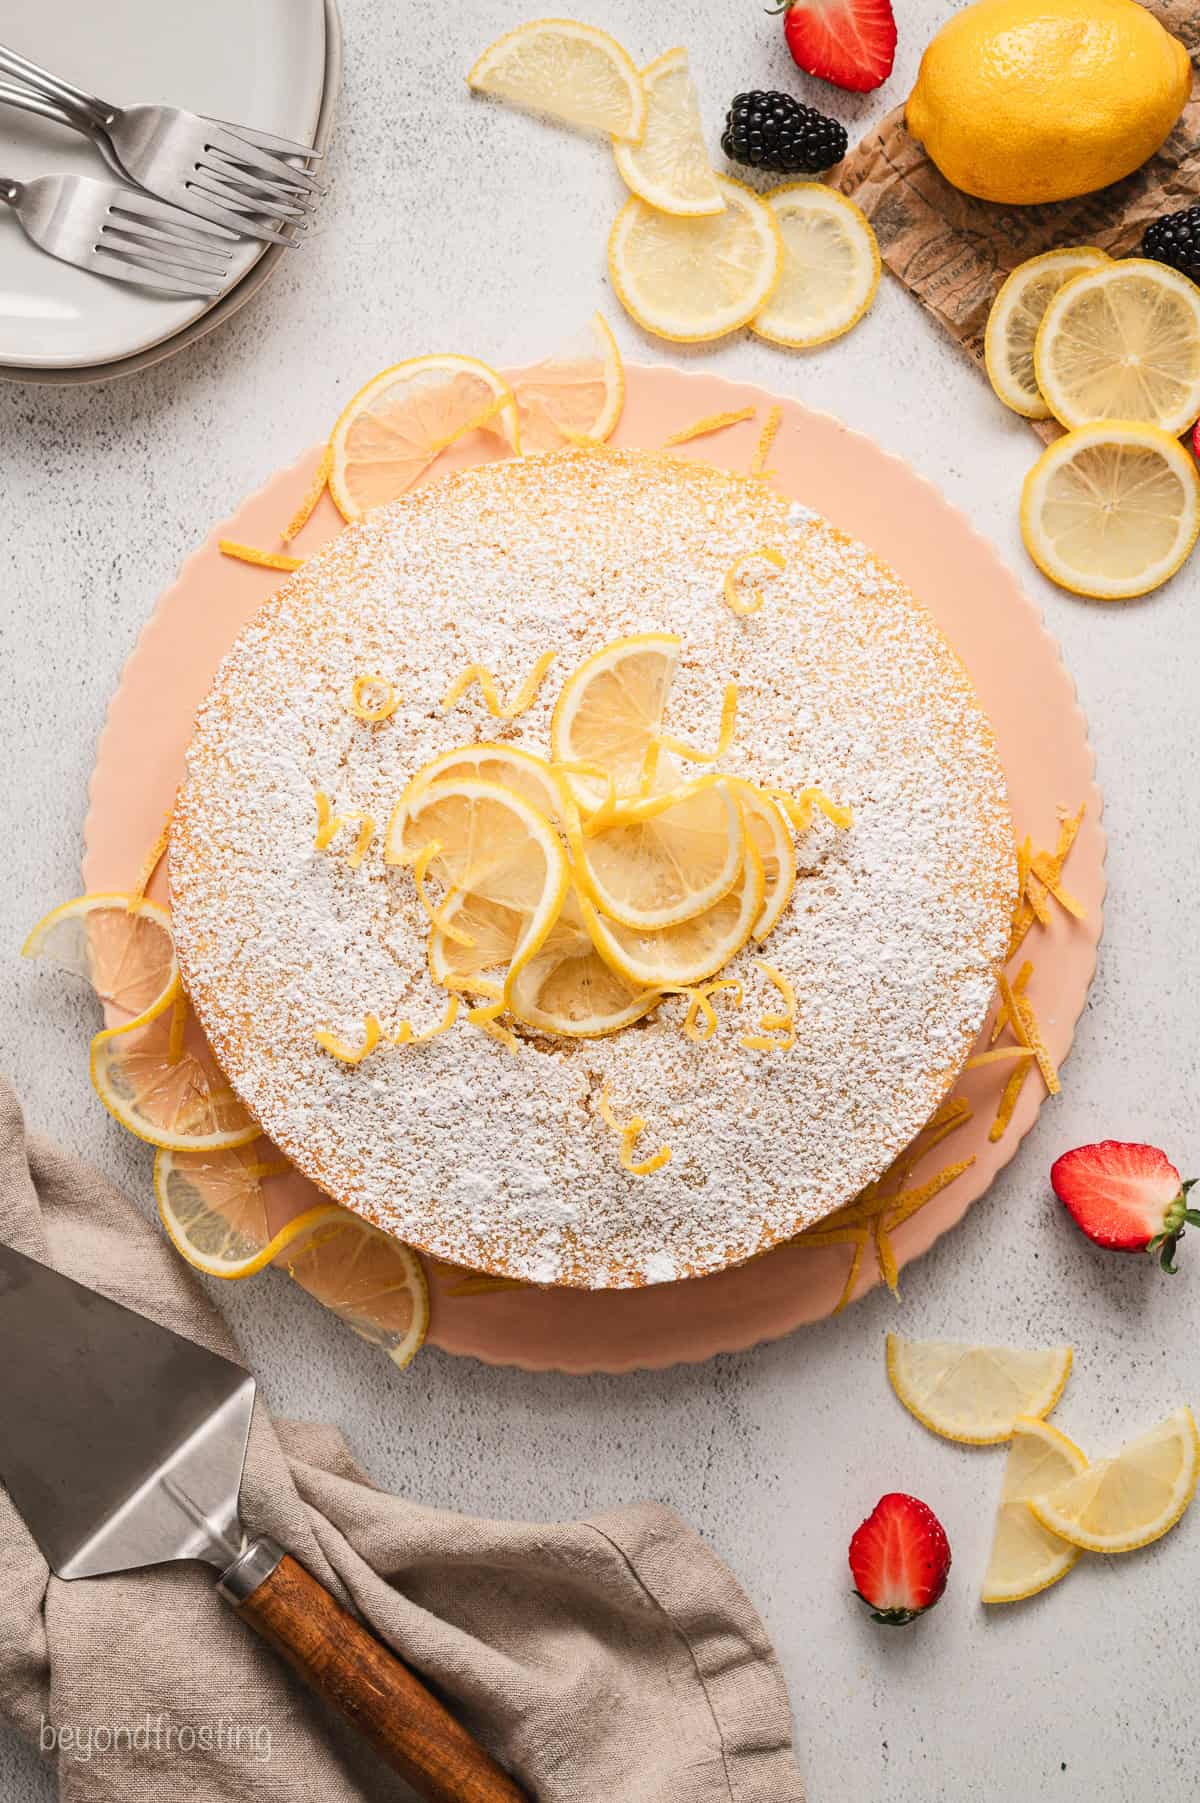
(1177, 1217)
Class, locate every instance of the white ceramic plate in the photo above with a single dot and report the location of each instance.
(262, 61)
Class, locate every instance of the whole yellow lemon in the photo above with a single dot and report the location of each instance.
(1022, 101)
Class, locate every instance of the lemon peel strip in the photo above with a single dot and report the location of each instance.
(479, 673)
(799, 808)
(362, 709)
(329, 825)
(630, 1133)
(725, 732)
(1026, 909)
(1020, 981)
(436, 915)
(781, 1024)
(151, 862)
(313, 493)
(712, 422)
(735, 600)
(265, 560)
(488, 1020)
(342, 1050)
(404, 1034)
(1001, 1055)
(701, 1003)
(766, 438)
(1046, 869)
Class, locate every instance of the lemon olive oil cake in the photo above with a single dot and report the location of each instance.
(592, 868)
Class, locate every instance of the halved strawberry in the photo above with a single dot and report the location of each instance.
(900, 1558)
(851, 43)
(1127, 1197)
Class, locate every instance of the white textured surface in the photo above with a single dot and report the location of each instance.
(1078, 1696)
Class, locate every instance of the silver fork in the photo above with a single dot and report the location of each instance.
(214, 170)
(115, 231)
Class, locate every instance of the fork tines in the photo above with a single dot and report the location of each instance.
(147, 239)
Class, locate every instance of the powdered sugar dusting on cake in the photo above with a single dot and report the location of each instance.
(503, 1163)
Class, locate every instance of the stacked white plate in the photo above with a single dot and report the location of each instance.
(271, 64)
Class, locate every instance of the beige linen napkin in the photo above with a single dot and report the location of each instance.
(953, 252)
(612, 1660)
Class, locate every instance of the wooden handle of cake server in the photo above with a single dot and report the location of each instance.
(377, 1694)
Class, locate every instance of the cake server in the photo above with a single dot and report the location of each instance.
(122, 1445)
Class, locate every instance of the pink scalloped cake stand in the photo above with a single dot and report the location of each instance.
(1019, 676)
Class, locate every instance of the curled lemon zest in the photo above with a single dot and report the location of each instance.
(488, 1019)
(404, 1034)
(363, 709)
(712, 422)
(766, 438)
(701, 995)
(736, 600)
(436, 915)
(317, 488)
(478, 673)
(632, 810)
(799, 808)
(464, 985)
(630, 1133)
(342, 1050)
(329, 825)
(778, 1032)
(725, 734)
(265, 560)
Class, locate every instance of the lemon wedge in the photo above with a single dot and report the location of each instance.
(668, 858)
(215, 1213)
(684, 954)
(1016, 314)
(573, 72)
(158, 1079)
(390, 432)
(369, 1280)
(526, 774)
(566, 987)
(610, 710)
(768, 829)
(121, 944)
(1125, 1502)
(695, 278)
(482, 839)
(1025, 1556)
(973, 1394)
(669, 169)
(575, 395)
(1122, 342)
(830, 268)
(1111, 510)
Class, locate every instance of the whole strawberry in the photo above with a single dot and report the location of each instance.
(851, 43)
(900, 1559)
(1129, 1198)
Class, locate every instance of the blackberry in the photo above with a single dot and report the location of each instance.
(1175, 240)
(773, 131)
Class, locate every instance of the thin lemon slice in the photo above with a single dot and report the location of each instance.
(973, 1394)
(1017, 312)
(670, 865)
(830, 267)
(121, 944)
(691, 279)
(488, 842)
(157, 1078)
(1128, 1501)
(1122, 343)
(521, 771)
(574, 72)
(390, 433)
(1025, 1556)
(610, 710)
(372, 1282)
(1111, 510)
(566, 987)
(574, 395)
(215, 1213)
(669, 169)
(686, 953)
(768, 829)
